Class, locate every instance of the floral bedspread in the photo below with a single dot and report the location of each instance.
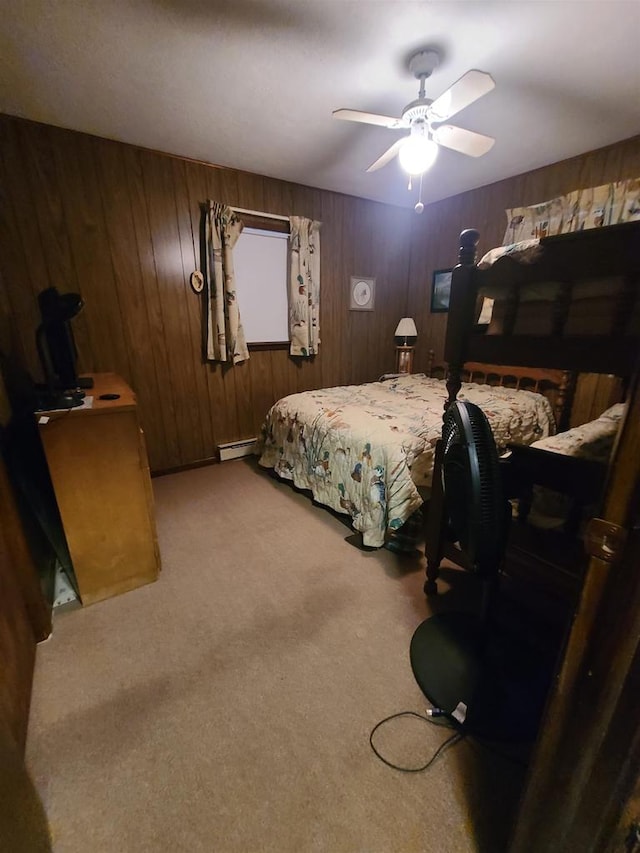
(364, 449)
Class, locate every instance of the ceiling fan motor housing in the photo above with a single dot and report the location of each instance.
(417, 110)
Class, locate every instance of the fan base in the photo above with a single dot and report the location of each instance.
(423, 63)
(502, 682)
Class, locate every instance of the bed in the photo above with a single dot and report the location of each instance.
(555, 492)
(368, 450)
(569, 301)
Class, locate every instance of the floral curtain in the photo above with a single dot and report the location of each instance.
(304, 286)
(593, 207)
(225, 335)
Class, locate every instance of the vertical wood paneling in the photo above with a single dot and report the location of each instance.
(17, 305)
(41, 186)
(122, 226)
(362, 321)
(212, 391)
(332, 306)
(165, 238)
(244, 399)
(167, 453)
(346, 224)
(595, 393)
(43, 195)
(129, 285)
(262, 397)
(83, 215)
(190, 252)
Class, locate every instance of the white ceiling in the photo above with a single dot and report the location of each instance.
(251, 84)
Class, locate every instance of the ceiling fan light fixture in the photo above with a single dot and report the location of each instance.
(417, 154)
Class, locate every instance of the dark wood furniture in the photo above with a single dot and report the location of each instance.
(588, 748)
(554, 559)
(580, 338)
(25, 617)
(581, 480)
(593, 344)
(583, 789)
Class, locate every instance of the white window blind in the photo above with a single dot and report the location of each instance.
(260, 263)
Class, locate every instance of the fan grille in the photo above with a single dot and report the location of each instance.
(472, 484)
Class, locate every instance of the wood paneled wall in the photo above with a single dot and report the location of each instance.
(435, 233)
(121, 226)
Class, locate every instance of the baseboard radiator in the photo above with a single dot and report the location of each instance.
(237, 449)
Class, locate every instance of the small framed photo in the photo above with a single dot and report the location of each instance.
(440, 291)
(362, 293)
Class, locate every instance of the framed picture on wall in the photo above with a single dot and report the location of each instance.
(440, 291)
(362, 293)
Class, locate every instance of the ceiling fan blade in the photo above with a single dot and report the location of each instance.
(370, 118)
(464, 141)
(471, 86)
(388, 155)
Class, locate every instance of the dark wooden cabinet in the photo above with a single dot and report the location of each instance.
(24, 615)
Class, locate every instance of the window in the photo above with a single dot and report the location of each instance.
(260, 259)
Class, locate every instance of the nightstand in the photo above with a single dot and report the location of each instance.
(405, 359)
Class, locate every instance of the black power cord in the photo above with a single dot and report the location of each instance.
(450, 741)
(456, 737)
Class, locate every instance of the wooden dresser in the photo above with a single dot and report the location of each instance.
(98, 465)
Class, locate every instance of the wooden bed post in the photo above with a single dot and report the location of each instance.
(461, 312)
(430, 359)
(564, 400)
(459, 326)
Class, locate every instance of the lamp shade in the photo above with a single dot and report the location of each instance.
(406, 332)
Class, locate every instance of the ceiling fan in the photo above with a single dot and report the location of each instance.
(424, 119)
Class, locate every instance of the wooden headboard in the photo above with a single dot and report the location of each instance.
(556, 385)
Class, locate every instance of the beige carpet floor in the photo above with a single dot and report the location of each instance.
(228, 706)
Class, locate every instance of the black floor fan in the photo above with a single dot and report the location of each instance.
(489, 683)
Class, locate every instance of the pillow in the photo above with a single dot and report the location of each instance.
(593, 440)
(614, 412)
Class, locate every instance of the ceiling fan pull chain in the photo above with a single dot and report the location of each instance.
(419, 206)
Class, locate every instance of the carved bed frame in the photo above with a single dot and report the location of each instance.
(557, 386)
(611, 346)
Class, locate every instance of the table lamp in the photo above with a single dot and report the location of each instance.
(406, 336)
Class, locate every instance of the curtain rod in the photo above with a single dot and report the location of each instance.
(260, 213)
